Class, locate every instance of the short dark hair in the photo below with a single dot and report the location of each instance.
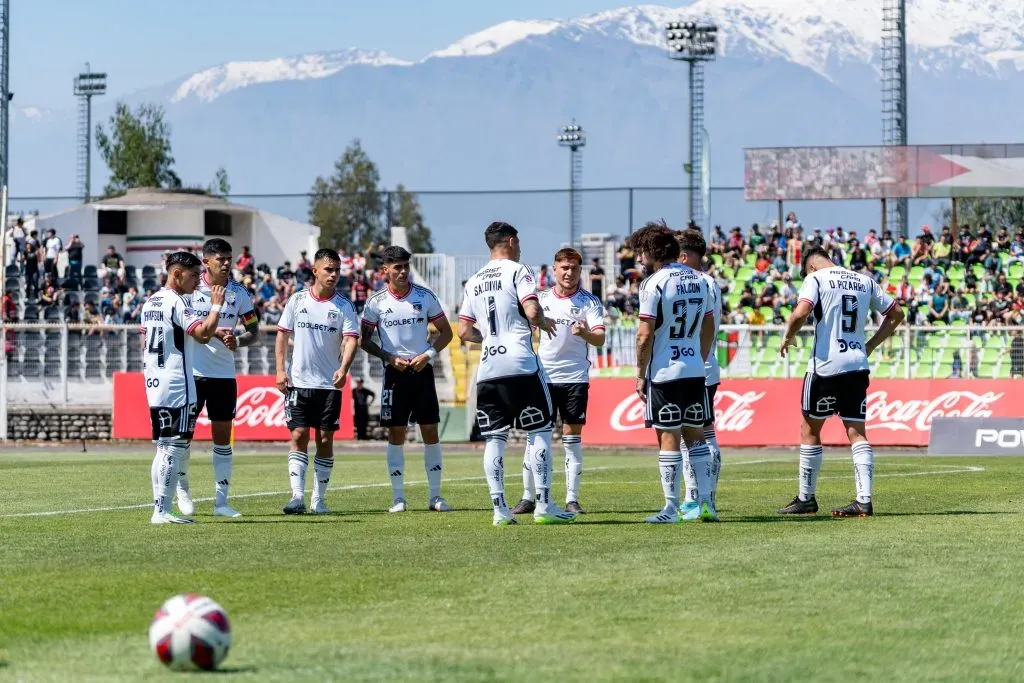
(693, 241)
(497, 233)
(656, 240)
(568, 254)
(395, 254)
(809, 255)
(216, 246)
(326, 254)
(182, 259)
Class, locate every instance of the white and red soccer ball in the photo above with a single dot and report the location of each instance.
(190, 632)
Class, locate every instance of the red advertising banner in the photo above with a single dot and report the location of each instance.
(259, 412)
(766, 412)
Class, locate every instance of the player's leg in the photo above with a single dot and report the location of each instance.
(220, 406)
(323, 462)
(395, 457)
(426, 412)
(297, 412)
(816, 407)
(711, 438)
(692, 396)
(853, 411)
(183, 491)
(172, 430)
(526, 504)
(433, 463)
(532, 404)
(494, 424)
(573, 408)
(670, 469)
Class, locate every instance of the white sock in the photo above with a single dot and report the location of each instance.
(700, 461)
(670, 465)
(540, 457)
(810, 466)
(160, 474)
(183, 463)
(716, 459)
(529, 493)
(689, 480)
(179, 451)
(221, 474)
(432, 462)
(322, 471)
(297, 464)
(863, 470)
(396, 466)
(573, 445)
(494, 469)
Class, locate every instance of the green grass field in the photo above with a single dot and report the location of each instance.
(932, 588)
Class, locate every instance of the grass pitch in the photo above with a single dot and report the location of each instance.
(932, 588)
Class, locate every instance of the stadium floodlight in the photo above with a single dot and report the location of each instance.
(695, 43)
(574, 138)
(87, 85)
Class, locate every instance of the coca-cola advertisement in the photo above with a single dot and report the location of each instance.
(766, 412)
(259, 411)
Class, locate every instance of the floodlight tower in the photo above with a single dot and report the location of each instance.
(87, 85)
(5, 92)
(575, 139)
(694, 43)
(894, 96)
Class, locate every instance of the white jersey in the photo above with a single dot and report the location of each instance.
(841, 301)
(565, 358)
(401, 322)
(712, 371)
(318, 327)
(493, 300)
(214, 359)
(167, 320)
(677, 299)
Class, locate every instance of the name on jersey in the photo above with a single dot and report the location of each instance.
(848, 282)
(688, 287)
(316, 327)
(153, 315)
(493, 285)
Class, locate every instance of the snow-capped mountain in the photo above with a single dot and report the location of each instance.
(482, 112)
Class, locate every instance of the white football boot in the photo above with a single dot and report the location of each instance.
(439, 504)
(554, 515)
(225, 511)
(504, 518)
(669, 515)
(184, 500)
(317, 507)
(168, 518)
(399, 505)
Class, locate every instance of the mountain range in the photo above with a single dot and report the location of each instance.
(482, 113)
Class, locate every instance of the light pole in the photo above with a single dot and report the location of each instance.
(87, 85)
(575, 139)
(694, 43)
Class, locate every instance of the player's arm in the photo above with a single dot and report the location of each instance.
(251, 323)
(467, 320)
(892, 317)
(371, 318)
(536, 318)
(284, 330)
(444, 338)
(203, 330)
(348, 354)
(591, 328)
(808, 298)
(644, 348)
(707, 335)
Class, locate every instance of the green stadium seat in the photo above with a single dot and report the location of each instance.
(979, 270)
(758, 286)
(922, 370)
(936, 341)
(959, 322)
(989, 355)
(750, 260)
(896, 273)
(986, 370)
(743, 274)
(916, 273)
(768, 312)
(971, 300)
(763, 370)
(944, 371)
(717, 259)
(1015, 271)
(785, 311)
(1003, 371)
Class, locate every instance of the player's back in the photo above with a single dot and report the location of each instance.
(677, 299)
(167, 357)
(493, 299)
(841, 303)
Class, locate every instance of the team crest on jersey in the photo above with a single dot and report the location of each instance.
(230, 298)
(332, 315)
(575, 310)
(417, 306)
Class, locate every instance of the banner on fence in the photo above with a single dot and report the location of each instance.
(259, 411)
(977, 436)
(751, 412)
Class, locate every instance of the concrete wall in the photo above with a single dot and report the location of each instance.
(276, 239)
(151, 233)
(47, 424)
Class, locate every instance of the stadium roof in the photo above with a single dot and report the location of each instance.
(150, 198)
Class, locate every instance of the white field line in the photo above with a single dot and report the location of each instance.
(462, 480)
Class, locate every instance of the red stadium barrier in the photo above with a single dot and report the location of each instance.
(259, 413)
(766, 412)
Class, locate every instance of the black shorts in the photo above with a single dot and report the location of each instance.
(845, 395)
(521, 402)
(315, 408)
(219, 395)
(173, 423)
(676, 404)
(569, 401)
(409, 397)
(709, 420)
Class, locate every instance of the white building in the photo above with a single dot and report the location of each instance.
(144, 223)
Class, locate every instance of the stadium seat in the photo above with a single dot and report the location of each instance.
(717, 259)
(52, 314)
(92, 298)
(897, 273)
(922, 371)
(30, 314)
(1015, 271)
(89, 271)
(750, 260)
(743, 274)
(150, 283)
(12, 271)
(916, 273)
(72, 298)
(148, 272)
(71, 284)
(129, 271)
(91, 284)
(12, 284)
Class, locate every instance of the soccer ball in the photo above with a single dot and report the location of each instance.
(190, 632)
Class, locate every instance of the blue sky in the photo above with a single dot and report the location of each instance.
(141, 43)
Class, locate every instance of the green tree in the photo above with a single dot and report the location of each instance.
(136, 147)
(347, 206)
(409, 215)
(995, 213)
(221, 185)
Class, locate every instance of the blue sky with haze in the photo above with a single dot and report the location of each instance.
(141, 43)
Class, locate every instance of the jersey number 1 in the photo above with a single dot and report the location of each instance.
(849, 313)
(156, 344)
(492, 316)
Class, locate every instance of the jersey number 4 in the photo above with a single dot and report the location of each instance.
(682, 309)
(155, 341)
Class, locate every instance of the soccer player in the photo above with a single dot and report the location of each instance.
(501, 300)
(692, 248)
(566, 364)
(399, 313)
(837, 376)
(674, 336)
(214, 369)
(169, 326)
(325, 328)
